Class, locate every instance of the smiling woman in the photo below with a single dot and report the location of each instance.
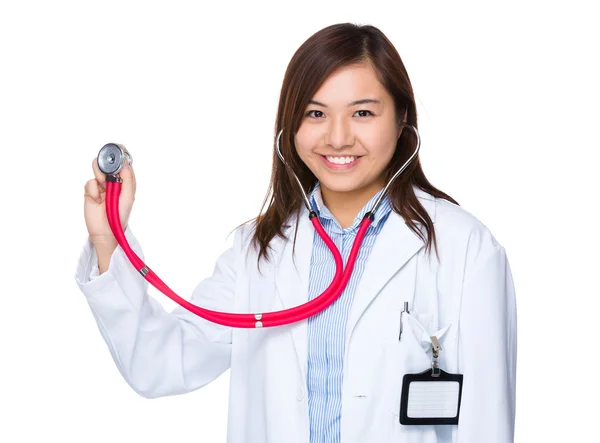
(401, 318)
(356, 137)
(344, 96)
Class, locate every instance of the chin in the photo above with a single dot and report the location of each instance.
(339, 184)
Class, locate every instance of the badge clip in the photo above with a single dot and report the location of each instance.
(435, 349)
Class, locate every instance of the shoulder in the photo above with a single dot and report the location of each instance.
(459, 232)
(243, 235)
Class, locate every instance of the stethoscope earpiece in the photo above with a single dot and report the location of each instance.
(111, 158)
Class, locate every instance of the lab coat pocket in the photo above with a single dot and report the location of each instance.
(422, 329)
(415, 348)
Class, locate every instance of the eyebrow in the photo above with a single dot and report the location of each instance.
(354, 103)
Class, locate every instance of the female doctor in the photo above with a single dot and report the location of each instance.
(429, 277)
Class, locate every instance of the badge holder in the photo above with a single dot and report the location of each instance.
(431, 397)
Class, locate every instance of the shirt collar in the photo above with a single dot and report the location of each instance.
(385, 207)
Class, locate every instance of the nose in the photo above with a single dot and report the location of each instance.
(339, 134)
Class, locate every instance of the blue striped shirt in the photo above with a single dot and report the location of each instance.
(326, 330)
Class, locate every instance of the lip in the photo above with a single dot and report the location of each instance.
(337, 167)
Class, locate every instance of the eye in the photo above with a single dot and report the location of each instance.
(364, 110)
(313, 110)
(309, 113)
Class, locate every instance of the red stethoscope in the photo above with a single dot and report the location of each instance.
(111, 159)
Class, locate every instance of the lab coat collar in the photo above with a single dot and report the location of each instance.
(395, 244)
(316, 200)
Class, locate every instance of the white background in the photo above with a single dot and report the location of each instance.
(507, 97)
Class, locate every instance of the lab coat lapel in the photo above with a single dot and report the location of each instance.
(395, 244)
(292, 279)
(393, 247)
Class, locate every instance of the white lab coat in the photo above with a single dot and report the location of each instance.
(467, 300)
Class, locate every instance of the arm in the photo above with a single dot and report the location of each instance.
(159, 353)
(488, 348)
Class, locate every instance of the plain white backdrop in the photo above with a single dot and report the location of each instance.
(507, 98)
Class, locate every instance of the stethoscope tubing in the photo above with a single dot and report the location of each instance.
(259, 320)
(268, 319)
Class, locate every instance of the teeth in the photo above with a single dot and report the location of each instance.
(341, 160)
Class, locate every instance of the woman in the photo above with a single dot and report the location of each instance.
(349, 122)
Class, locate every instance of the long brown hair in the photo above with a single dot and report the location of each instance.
(327, 50)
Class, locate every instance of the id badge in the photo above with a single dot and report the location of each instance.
(431, 397)
(429, 400)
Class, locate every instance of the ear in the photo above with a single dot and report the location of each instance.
(400, 127)
(404, 116)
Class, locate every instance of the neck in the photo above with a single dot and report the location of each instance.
(345, 206)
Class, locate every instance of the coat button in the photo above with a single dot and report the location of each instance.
(299, 395)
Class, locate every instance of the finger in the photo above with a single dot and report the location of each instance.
(128, 176)
(100, 176)
(126, 161)
(92, 191)
(129, 184)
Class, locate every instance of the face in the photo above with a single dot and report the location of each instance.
(349, 131)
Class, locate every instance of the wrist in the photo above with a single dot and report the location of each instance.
(104, 242)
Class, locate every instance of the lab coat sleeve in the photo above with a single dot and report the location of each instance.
(159, 353)
(487, 347)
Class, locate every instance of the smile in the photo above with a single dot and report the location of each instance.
(340, 163)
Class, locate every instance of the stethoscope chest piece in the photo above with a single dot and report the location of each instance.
(111, 158)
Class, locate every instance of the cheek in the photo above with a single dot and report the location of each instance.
(381, 149)
(304, 144)
(384, 135)
(300, 147)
